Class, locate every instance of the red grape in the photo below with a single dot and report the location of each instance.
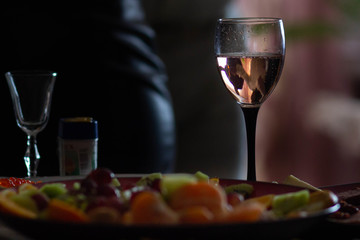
(41, 201)
(235, 198)
(155, 184)
(107, 190)
(96, 202)
(112, 202)
(101, 175)
(88, 186)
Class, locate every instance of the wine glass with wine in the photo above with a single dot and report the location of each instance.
(250, 55)
(31, 93)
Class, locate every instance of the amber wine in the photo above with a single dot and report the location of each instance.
(250, 79)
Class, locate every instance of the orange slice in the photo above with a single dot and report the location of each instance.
(199, 194)
(62, 211)
(150, 208)
(265, 200)
(245, 212)
(196, 214)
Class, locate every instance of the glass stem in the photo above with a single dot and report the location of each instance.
(32, 156)
(250, 115)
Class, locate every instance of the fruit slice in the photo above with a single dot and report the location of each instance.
(53, 190)
(171, 182)
(242, 188)
(104, 214)
(8, 206)
(62, 211)
(25, 201)
(285, 203)
(201, 176)
(196, 214)
(294, 181)
(264, 200)
(320, 200)
(199, 194)
(148, 207)
(245, 212)
(149, 179)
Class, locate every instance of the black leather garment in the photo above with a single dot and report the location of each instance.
(107, 69)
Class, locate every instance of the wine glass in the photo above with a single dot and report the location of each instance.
(250, 54)
(31, 93)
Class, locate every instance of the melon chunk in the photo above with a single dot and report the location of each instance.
(8, 206)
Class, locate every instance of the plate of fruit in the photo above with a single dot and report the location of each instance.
(162, 206)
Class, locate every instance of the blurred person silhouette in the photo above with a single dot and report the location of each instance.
(210, 126)
(108, 69)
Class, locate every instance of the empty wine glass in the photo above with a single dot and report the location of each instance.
(31, 93)
(250, 55)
